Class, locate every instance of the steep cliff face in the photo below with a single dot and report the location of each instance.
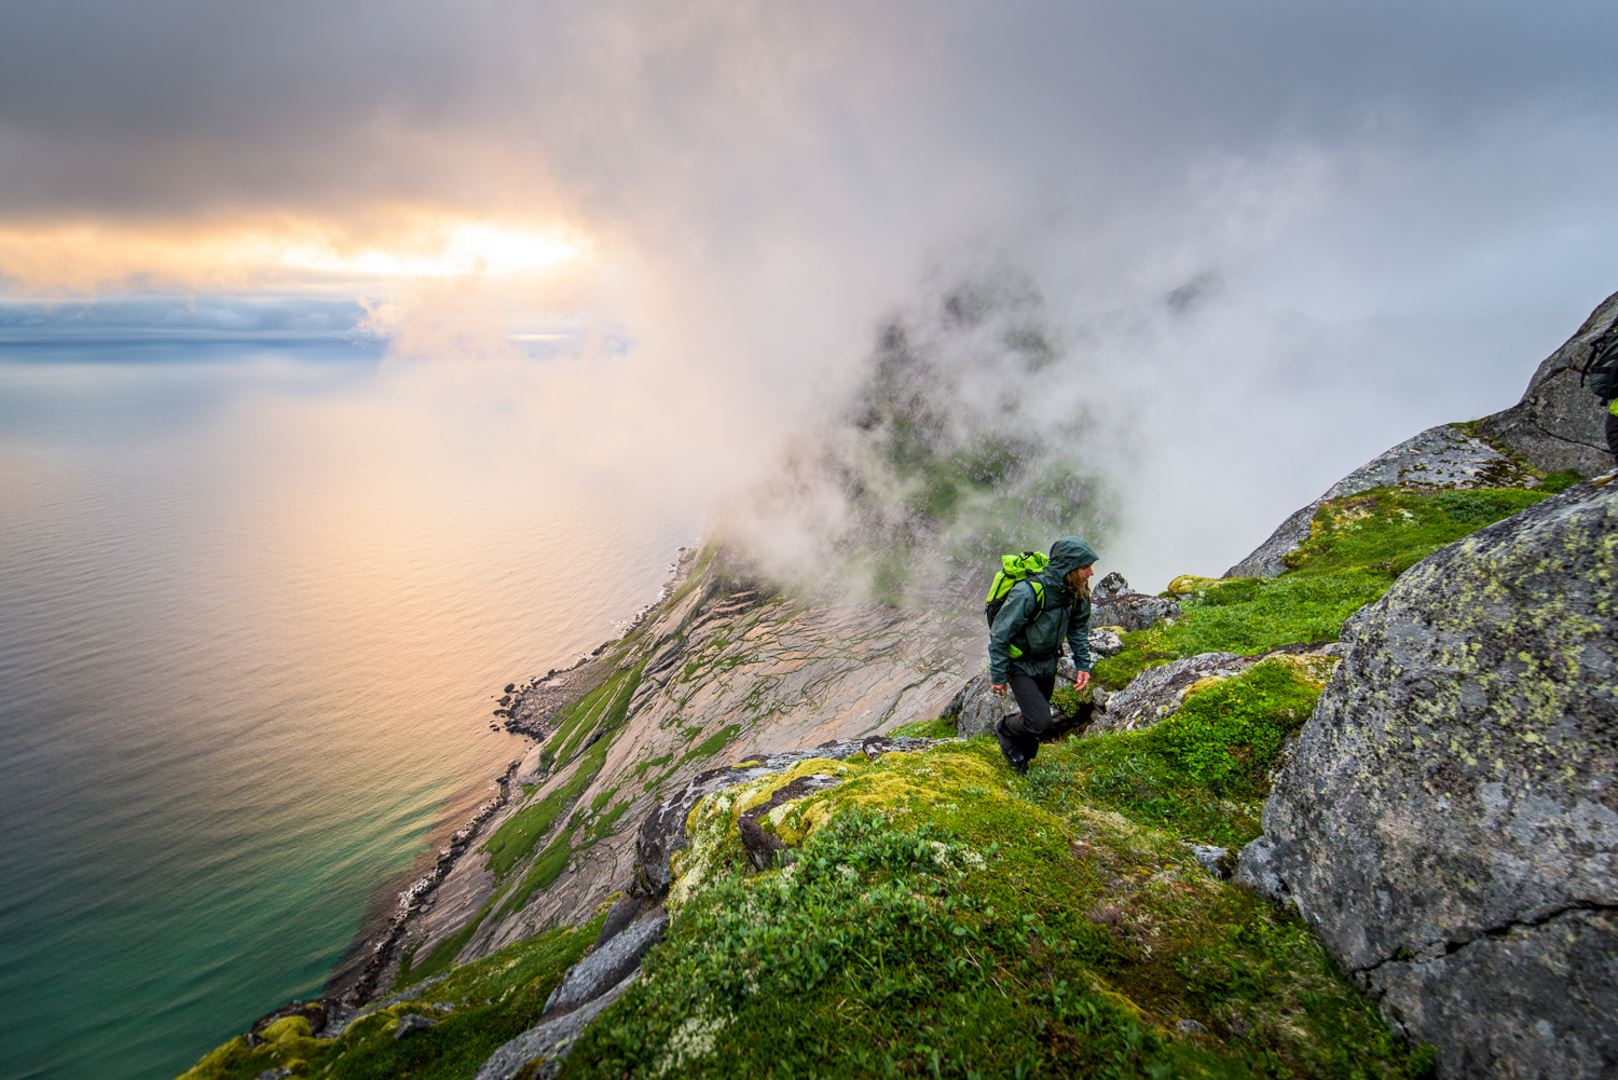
(720, 671)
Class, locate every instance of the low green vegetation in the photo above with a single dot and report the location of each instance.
(940, 915)
(516, 837)
(1356, 548)
(714, 743)
(601, 710)
(942, 727)
(478, 1007)
(545, 869)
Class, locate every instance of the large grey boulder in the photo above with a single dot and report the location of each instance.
(1558, 424)
(1440, 457)
(1448, 820)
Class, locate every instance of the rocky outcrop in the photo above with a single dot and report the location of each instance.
(1115, 603)
(1558, 423)
(1440, 457)
(1448, 820)
(1157, 693)
(662, 832)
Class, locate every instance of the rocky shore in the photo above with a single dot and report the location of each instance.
(525, 708)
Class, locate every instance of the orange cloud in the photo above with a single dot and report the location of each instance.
(282, 254)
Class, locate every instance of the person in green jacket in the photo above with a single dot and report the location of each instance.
(1612, 428)
(1026, 640)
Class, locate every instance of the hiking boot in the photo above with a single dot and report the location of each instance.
(1009, 749)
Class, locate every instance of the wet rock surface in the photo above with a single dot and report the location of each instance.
(611, 960)
(409, 1024)
(1440, 457)
(1558, 424)
(1448, 820)
(539, 1051)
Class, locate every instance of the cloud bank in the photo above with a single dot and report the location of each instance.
(1268, 241)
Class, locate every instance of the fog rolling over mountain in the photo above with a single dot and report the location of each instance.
(971, 432)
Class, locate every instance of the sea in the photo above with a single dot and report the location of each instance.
(257, 600)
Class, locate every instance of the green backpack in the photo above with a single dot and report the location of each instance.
(1013, 569)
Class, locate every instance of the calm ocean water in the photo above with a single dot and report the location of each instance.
(253, 604)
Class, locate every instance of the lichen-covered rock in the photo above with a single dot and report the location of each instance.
(410, 1023)
(1157, 693)
(663, 832)
(1134, 611)
(1105, 642)
(1558, 424)
(1448, 820)
(1440, 457)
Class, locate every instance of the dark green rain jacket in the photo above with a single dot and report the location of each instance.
(1066, 615)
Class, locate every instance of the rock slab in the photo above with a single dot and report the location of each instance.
(1440, 457)
(1448, 820)
(1558, 423)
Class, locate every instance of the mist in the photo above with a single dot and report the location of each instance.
(1257, 244)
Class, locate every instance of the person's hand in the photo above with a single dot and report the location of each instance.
(1081, 680)
(999, 689)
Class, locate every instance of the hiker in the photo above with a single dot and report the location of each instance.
(1600, 374)
(1026, 640)
(1612, 428)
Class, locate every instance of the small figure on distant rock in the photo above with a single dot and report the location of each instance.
(1600, 373)
(1025, 641)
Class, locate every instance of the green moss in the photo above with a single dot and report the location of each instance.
(545, 869)
(942, 727)
(712, 744)
(516, 837)
(1356, 548)
(490, 1002)
(945, 916)
(601, 710)
(651, 763)
(1202, 774)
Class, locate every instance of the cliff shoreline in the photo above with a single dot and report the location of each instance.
(355, 980)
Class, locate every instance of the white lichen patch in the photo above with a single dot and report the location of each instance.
(692, 1041)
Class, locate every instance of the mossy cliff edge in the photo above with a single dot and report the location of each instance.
(916, 908)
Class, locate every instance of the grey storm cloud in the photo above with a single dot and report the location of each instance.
(162, 108)
(1271, 238)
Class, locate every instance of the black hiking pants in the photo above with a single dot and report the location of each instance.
(1033, 717)
(1612, 434)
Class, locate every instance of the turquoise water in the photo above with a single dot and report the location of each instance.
(254, 602)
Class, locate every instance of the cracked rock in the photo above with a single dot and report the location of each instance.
(1448, 820)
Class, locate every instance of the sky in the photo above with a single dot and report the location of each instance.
(1267, 239)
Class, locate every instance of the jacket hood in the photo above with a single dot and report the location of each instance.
(1068, 554)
